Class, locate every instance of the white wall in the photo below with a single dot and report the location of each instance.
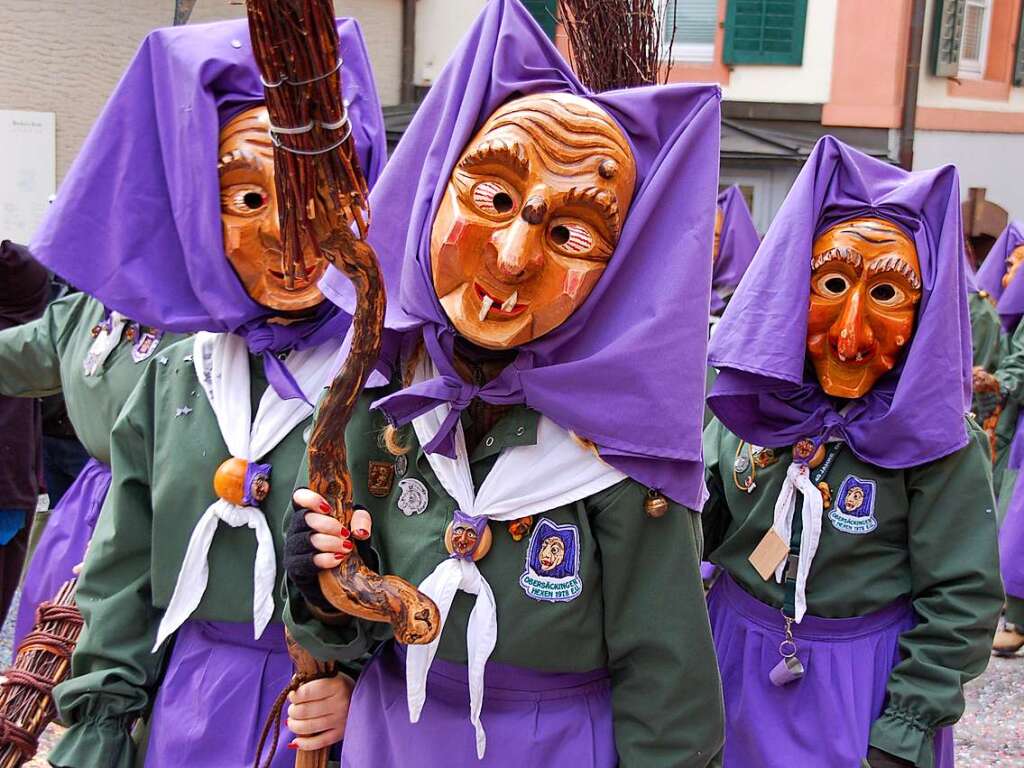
(65, 56)
(991, 160)
(440, 25)
(809, 83)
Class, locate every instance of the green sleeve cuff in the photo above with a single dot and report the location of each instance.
(89, 743)
(344, 643)
(905, 736)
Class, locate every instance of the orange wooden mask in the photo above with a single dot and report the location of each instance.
(719, 218)
(252, 235)
(530, 218)
(865, 287)
(1013, 263)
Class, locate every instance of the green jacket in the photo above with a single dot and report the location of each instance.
(640, 613)
(1010, 374)
(46, 356)
(931, 537)
(166, 447)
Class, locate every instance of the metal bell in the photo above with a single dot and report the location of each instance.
(655, 505)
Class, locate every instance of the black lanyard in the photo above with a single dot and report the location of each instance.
(817, 475)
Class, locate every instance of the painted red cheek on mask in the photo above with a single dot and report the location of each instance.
(573, 282)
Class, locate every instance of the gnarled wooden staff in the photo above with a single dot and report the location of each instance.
(322, 200)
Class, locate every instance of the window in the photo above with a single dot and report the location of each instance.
(974, 39)
(690, 27)
(765, 32)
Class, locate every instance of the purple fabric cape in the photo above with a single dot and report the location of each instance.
(737, 244)
(1009, 303)
(137, 220)
(627, 370)
(765, 392)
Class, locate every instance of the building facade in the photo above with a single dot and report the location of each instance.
(790, 71)
(843, 64)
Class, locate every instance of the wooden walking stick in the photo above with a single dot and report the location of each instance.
(322, 200)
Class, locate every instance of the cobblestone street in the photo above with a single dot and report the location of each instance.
(990, 735)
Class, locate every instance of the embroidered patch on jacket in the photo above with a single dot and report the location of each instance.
(553, 563)
(380, 478)
(854, 507)
(146, 344)
(414, 498)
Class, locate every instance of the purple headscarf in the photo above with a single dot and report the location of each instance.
(768, 395)
(137, 220)
(627, 369)
(1009, 303)
(736, 246)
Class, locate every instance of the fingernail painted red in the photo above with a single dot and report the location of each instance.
(326, 508)
(347, 545)
(345, 532)
(362, 533)
(339, 556)
(293, 745)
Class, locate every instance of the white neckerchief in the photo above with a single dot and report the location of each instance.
(222, 365)
(106, 341)
(798, 478)
(525, 480)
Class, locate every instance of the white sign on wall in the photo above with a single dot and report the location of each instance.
(28, 171)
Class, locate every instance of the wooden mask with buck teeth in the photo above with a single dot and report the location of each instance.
(530, 218)
(252, 231)
(865, 288)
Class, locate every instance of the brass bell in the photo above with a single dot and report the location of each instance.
(655, 505)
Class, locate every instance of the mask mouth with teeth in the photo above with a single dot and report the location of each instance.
(530, 218)
(865, 288)
(252, 235)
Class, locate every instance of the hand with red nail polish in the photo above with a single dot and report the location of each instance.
(318, 711)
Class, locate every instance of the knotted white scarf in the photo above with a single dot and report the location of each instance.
(798, 478)
(106, 341)
(222, 366)
(525, 480)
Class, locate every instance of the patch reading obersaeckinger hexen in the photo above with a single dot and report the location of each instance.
(414, 498)
(553, 563)
(854, 508)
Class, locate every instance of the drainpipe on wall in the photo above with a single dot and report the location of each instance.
(913, 75)
(408, 50)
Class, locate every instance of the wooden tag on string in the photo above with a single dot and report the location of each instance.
(769, 554)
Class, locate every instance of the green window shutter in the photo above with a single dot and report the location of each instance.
(947, 30)
(544, 12)
(765, 32)
(1018, 67)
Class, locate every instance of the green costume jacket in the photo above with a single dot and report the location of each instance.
(46, 356)
(934, 542)
(641, 612)
(166, 447)
(1010, 375)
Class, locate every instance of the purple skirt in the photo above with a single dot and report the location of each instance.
(1011, 544)
(532, 718)
(216, 694)
(822, 719)
(63, 543)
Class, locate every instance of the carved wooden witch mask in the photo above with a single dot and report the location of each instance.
(1013, 262)
(719, 220)
(865, 288)
(252, 233)
(530, 218)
